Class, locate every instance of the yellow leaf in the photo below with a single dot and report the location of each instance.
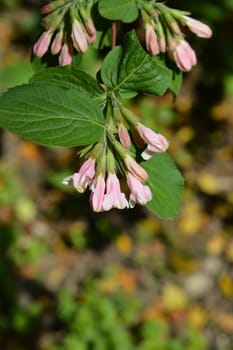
(174, 298)
(208, 183)
(225, 283)
(185, 134)
(215, 244)
(182, 263)
(148, 226)
(124, 243)
(229, 251)
(192, 218)
(197, 317)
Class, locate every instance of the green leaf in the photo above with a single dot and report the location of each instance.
(166, 184)
(110, 67)
(176, 82)
(15, 74)
(119, 10)
(136, 70)
(51, 115)
(69, 77)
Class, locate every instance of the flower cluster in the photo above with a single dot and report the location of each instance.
(68, 25)
(110, 162)
(163, 33)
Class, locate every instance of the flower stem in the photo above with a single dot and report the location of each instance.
(113, 38)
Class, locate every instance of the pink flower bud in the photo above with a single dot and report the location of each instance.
(57, 43)
(52, 6)
(90, 39)
(184, 56)
(78, 37)
(114, 198)
(152, 44)
(197, 27)
(139, 194)
(46, 9)
(42, 44)
(65, 57)
(83, 178)
(156, 142)
(97, 195)
(175, 27)
(161, 37)
(90, 27)
(135, 169)
(162, 44)
(124, 136)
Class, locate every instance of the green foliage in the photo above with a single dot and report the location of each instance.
(129, 70)
(121, 10)
(166, 184)
(15, 74)
(201, 237)
(70, 78)
(97, 323)
(51, 115)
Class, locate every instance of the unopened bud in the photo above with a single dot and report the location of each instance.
(42, 44)
(52, 6)
(57, 43)
(124, 136)
(197, 27)
(135, 169)
(65, 57)
(172, 22)
(184, 56)
(90, 39)
(78, 37)
(161, 37)
(90, 27)
(129, 116)
(152, 44)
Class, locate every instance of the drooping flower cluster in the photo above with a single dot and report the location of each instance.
(68, 25)
(110, 162)
(163, 33)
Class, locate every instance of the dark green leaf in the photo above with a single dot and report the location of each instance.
(119, 10)
(69, 77)
(51, 115)
(136, 70)
(110, 67)
(176, 82)
(166, 184)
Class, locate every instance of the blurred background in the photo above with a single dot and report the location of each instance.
(122, 280)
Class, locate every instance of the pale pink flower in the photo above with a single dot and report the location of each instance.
(57, 43)
(152, 44)
(97, 195)
(156, 142)
(139, 193)
(78, 36)
(42, 44)
(114, 198)
(65, 57)
(197, 27)
(124, 136)
(135, 169)
(82, 179)
(184, 56)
